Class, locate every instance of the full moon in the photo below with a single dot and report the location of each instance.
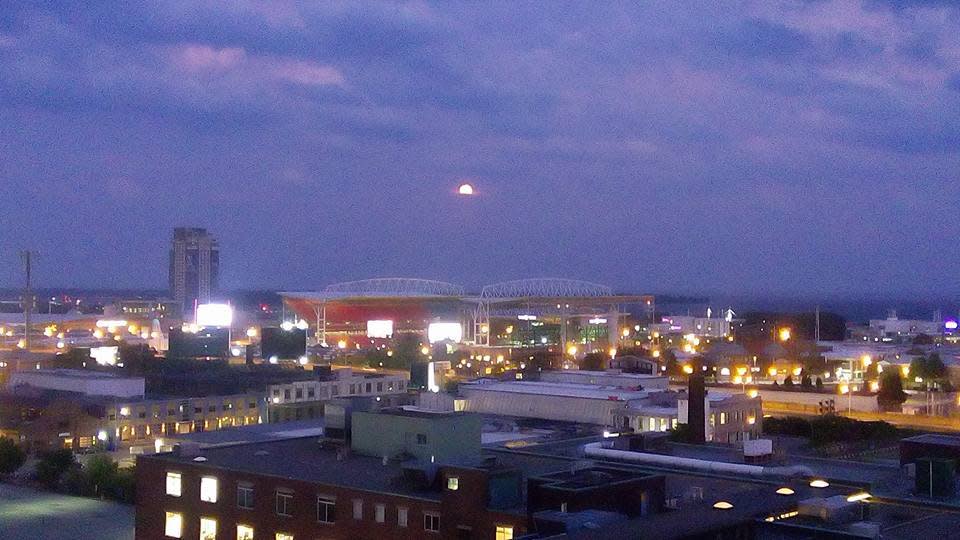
(465, 189)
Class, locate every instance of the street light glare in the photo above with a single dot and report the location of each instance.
(465, 189)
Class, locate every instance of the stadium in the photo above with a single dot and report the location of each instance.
(521, 313)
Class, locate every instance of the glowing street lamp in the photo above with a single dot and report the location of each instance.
(784, 334)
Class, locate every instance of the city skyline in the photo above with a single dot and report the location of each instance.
(785, 149)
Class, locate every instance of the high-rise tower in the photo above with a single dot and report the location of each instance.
(194, 266)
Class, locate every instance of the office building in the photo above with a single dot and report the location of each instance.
(194, 266)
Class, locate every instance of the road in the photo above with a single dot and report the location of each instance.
(40, 515)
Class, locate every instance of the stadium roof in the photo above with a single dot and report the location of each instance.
(529, 291)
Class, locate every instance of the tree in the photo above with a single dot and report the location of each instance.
(929, 368)
(819, 384)
(922, 339)
(805, 381)
(669, 360)
(891, 395)
(11, 456)
(788, 382)
(595, 361)
(52, 465)
(101, 473)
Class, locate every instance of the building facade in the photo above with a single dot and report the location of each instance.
(194, 266)
(305, 399)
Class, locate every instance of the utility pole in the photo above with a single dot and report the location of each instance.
(27, 257)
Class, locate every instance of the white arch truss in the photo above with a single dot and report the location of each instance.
(545, 287)
(396, 287)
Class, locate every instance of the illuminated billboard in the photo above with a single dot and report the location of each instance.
(445, 331)
(379, 329)
(215, 315)
(105, 356)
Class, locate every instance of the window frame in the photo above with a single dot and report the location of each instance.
(358, 509)
(380, 513)
(287, 497)
(431, 518)
(329, 504)
(179, 483)
(205, 480)
(247, 489)
(166, 524)
(208, 519)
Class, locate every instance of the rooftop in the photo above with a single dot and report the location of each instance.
(935, 439)
(253, 433)
(587, 391)
(76, 374)
(307, 459)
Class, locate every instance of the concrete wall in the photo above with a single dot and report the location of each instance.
(608, 378)
(859, 403)
(544, 406)
(449, 436)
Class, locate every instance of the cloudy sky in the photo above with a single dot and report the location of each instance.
(759, 147)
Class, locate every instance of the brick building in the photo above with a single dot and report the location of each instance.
(426, 477)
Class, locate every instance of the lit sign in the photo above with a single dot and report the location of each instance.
(950, 325)
(527, 317)
(598, 320)
(445, 331)
(110, 324)
(216, 315)
(105, 356)
(379, 329)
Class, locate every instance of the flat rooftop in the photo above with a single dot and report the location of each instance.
(305, 459)
(602, 374)
(576, 390)
(79, 374)
(935, 439)
(253, 434)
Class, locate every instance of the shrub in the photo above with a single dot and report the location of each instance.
(11, 456)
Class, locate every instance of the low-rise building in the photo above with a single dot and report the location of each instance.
(139, 424)
(305, 399)
(88, 383)
(428, 479)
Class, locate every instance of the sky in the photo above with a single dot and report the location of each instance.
(770, 147)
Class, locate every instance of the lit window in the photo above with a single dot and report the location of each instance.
(379, 513)
(431, 522)
(723, 418)
(504, 532)
(357, 509)
(174, 484)
(208, 529)
(401, 517)
(244, 532)
(173, 525)
(284, 536)
(208, 489)
(326, 509)
(453, 483)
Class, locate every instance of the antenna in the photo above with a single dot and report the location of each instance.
(27, 257)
